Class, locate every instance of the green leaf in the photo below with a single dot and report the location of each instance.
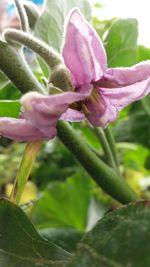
(66, 238)
(9, 108)
(120, 239)
(24, 171)
(50, 26)
(98, 5)
(135, 128)
(9, 91)
(121, 43)
(143, 53)
(64, 203)
(102, 26)
(146, 104)
(21, 245)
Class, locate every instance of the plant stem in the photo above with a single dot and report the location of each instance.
(106, 148)
(104, 176)
(111, 142)
(51, 57)
(59, 76)
(22, 15)
(16, 69)
(24, 170)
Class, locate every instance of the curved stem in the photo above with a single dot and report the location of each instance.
(51, 57)
(22, 15)
(111, 141)
(16, 69)
(59, 76)
(106, 148)
(104, 176)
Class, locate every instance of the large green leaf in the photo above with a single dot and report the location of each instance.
(9, 108)
(50, 26)
(9, 91)
(135, 128)
(121, 43)
(64, 204)
(66, 238)
(120, 239)
(21, 245)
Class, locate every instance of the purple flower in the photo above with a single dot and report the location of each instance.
(110, 89)
(99, 92)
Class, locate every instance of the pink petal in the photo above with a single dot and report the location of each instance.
(123, 96)
(72, 115)
(116, 99)
(44, 111)
(83, 51)
(127, 76)
(21, 130)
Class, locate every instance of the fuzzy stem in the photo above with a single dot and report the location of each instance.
(22, 15)
(104, 176)
(59, 76)
(24, 170)
(16, 69)
(51, 57)
(106, 148)
(111, 142)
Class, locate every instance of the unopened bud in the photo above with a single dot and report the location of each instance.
(60, 77)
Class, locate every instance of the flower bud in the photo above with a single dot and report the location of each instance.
(60, 77)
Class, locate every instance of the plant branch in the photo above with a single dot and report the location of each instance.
(22, 15)
(51, 57)
(99, 132)
(104, 176)
(111, 142)
(16, 69)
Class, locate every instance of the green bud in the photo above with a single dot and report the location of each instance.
(60, 77)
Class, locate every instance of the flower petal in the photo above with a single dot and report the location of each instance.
(44, 111)
(127, 76)
(72, 115)
(22, 130)
(94, 107)
(83, 51)
(123, 96)
(116, 99)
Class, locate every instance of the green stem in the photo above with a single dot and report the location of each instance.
(106, 148)
(59, 76)
(51, 57)
(104, 176)
(111, 142)
(16, 69)
(24, 170)
(22, 15)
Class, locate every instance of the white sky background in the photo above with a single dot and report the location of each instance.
(139, 9)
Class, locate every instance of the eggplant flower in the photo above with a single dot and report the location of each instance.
(108, 89)
(99, 92)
